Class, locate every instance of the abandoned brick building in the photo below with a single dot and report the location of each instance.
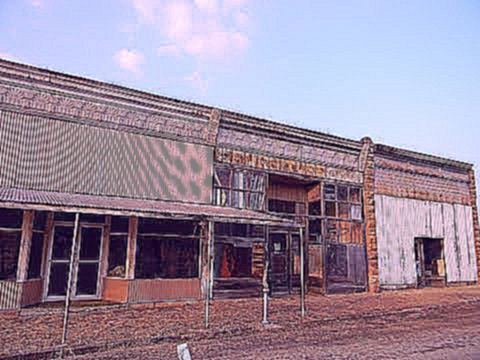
(148, 199)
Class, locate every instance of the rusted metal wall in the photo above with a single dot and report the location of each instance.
(153, 290)
(400, 221)
(115, 290)
(32, 291)
(9, 295)
(43, 154)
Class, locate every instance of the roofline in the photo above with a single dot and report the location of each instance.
(383, 149)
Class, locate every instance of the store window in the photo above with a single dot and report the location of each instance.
(239, 188)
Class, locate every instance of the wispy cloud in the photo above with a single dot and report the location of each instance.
(129, 60)
(36, 3)
(204, 29)
(8, 56)
(198, 82)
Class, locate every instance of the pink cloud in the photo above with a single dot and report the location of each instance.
(130, 60)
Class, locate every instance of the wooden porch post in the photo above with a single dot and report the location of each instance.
(131, 248)
(302, 274)
(25, 246)
(265, 289)
(73, 256)
(208, 273)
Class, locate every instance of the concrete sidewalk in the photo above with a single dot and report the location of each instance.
(38, 330)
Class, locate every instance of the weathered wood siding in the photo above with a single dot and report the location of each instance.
(43, 154)
(9, 295)
(32, 291)
(400, 221)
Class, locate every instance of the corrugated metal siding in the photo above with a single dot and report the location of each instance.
(9, 295)
(43, 154)
(163, 289)
(400, 221)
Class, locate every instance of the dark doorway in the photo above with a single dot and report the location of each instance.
(284, 271)
(430, 263)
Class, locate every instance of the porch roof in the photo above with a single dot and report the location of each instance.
(108, 205)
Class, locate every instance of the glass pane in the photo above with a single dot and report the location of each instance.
(36, 252)
(357, 212)
(315, 208)
(343, 210)
(345, 232)
(238, 180)
(40, 220)
(87, 279)
(238, 199)
(62, 242)
(329, 192)
(9, 248)
(92, 218)
(222, 177)
(90, 245)
(254, 181)
(357, 233)
(64, 216)
(57, 285)
(315, 226)
(117, 255)
(342, 193)
(330, 209)
(119, 224)
(355, 195)
(11, 219)
(256, 201)
(221, 197)
(331, 231)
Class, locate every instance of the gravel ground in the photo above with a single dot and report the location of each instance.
(429, 323)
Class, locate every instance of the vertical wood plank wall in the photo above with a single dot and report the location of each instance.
(400, 221)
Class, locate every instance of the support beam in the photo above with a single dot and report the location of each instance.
(302, 273)
(73, 256)
(209, 265)
(25, 246)
(265, 288)
(131, 247)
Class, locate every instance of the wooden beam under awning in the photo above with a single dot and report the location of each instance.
(77, 203)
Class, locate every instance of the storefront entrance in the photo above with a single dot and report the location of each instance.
(86, 267)
(430, 263)
(284, 272)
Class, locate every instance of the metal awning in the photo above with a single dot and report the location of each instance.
(107, 205)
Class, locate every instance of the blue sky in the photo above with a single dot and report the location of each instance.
(406, 73)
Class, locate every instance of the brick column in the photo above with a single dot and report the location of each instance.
(476, 226)
(25, 246)
(370, 221)
(131, 247)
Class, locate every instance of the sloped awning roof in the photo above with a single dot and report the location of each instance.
(91, 204)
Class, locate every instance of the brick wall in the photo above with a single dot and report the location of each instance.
(476, 225)
(403, 179)
(370, 221)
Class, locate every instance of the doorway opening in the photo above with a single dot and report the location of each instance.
(430, 262)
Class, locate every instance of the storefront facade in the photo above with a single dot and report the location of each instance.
(132, 197)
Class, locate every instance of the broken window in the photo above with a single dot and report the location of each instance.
(10, 237)
(36, 250)
(233, 260)
(117, 252)
(281, 206)
(239, 188)
(167, 249)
